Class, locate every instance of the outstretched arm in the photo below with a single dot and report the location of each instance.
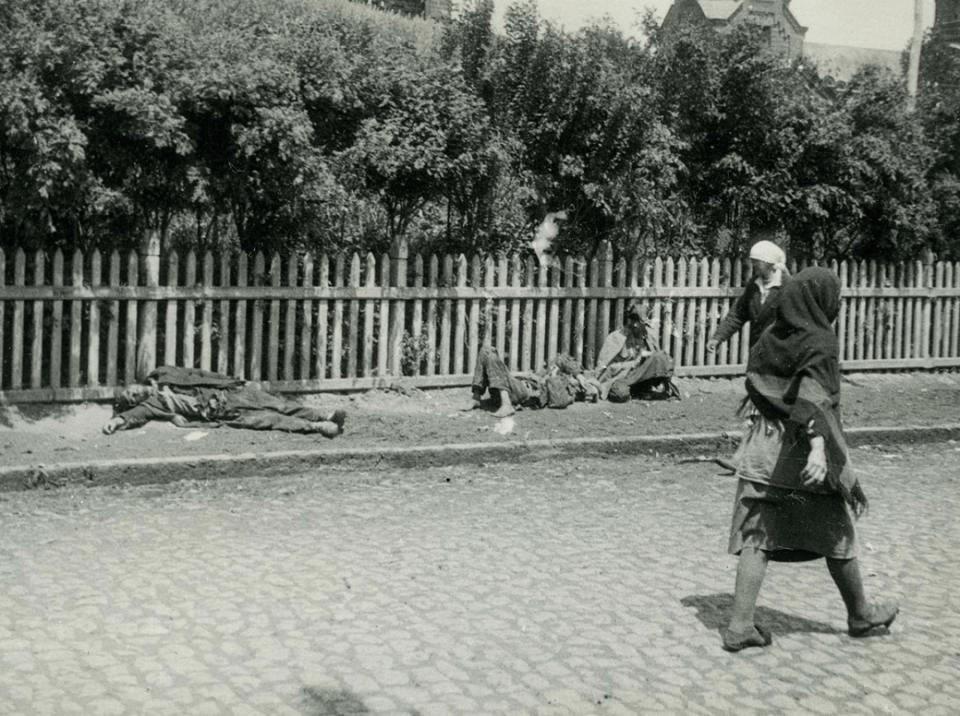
(150, 409)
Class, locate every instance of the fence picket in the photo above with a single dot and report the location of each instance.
(206, 324)
(323, 280)
(580, 277)
(489, 280)
(76, 318)
(273, 322)
(566, 345)
(36, 333)
(936, 349)
(353, 326)
(432, 281)
(113, 320)
(398, 308)
(594, 280)
(290, 319)
(171, 309)
(368, 318)
(132, 328)
(553, 324)
(473, 326)
(189, 313)
(460, 318)
(446, 321)
(502, 280)
(93, 324)
(383, 338)
(540, 341)
(955, 314)
(336, 341)
(56, 324)
(240, 321)
(223, 322)
(417, 317)
(873, 335)
(16, 343)
(306, 329)
(513, 359)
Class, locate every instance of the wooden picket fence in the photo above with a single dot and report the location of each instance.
(74, 328)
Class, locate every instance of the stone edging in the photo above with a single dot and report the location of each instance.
(208, 467)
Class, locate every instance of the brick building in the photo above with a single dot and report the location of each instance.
(947, 19)
(429, 9)
(784, 33)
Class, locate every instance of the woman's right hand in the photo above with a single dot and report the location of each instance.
(815, 471)
(712, 345)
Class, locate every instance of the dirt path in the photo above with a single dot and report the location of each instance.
(45, 435)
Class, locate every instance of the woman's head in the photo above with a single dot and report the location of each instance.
(811, 299)
(766, 257)
(637, 318)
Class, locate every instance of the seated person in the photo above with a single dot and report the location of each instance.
(186, 396)
(558, 386)
(631, 364)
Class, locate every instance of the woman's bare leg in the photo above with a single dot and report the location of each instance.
(846, 575)
(751, 569)
(862, 616)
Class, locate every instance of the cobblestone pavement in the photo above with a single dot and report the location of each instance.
(582, 586)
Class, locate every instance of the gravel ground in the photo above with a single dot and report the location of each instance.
(54, 434)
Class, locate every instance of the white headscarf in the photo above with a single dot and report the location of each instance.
(772, 254)
(769, 252)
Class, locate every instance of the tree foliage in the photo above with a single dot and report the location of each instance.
(289, 124)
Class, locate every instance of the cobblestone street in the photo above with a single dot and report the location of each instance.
(585, 586)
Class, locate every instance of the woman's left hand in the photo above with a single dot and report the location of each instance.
(815, 471)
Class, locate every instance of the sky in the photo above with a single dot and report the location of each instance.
(879, 24)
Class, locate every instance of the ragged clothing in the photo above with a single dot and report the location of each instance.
(189, 395)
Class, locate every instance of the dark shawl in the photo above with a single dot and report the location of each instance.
(794, 371)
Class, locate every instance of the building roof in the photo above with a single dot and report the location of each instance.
(719, 9)
(842, 62)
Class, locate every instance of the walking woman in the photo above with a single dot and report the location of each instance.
(797, 498)
(757, 305)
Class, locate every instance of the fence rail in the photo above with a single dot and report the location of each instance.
(73, 328)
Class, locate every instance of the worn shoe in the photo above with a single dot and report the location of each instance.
(878, 615)
(737, 641)
(504, 411)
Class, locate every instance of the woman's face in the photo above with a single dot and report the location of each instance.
(635, 325)
(762, 269)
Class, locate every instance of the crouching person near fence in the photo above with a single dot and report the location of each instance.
(188, 397)
(558, 386)
(631, 364)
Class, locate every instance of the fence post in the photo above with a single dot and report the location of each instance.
(147, 339)
(399, 254)
(928, 301)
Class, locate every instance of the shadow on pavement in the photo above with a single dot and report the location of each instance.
(330, 702)
(712, 610)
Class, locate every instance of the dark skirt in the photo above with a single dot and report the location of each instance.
(789, 524)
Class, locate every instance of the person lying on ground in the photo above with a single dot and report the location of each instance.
(757, 305)
(630, 363)
(556, 387)
(188, 397)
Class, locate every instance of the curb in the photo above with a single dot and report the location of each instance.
(211, 467)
